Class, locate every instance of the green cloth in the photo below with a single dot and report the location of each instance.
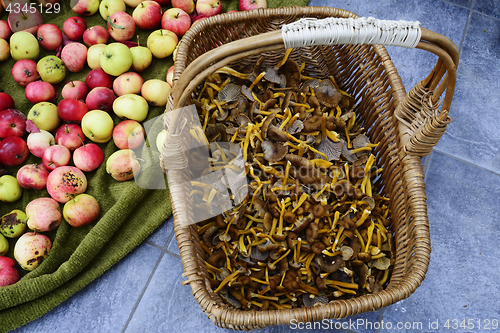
(129, 213)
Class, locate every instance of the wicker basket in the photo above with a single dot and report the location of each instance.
(406, 125)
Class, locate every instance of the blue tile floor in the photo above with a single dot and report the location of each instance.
(144, 293)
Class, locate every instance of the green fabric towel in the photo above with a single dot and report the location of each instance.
(129, 213)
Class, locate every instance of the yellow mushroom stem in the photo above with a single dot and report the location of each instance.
(281, 258)
(363, 217)
(267, 274)
(336, 218)
(280, 225)
(257, 79)
(384, 277)
(241, 243)
(258, 281)
(369, 188)
(247, 141)
(309, 289)
(379, 239)
(288, 116)
(293, 119)
(278, 94)
(370, 236)
(296, 254)
(341, 228)
(205, 248)
(351, 122)
(360, 238)
(310, 258)
(228, 261)
(344, 290)
(256, 303)
(302, 199)
(214, 86)
(325, 187)
(213, 268)
(323, 125)
(287, 171)
(349, 144)
(332, 254)
(357, 150)
(321, 163)
(285, 58)
(380, 255)
(226, 280)
(334, 136)
(201, 230)
(232, 72)
(346, 168)
(269, 298)
(265, 290)
(278, 306)
(302, 66)
(342, 284)
(339, 112)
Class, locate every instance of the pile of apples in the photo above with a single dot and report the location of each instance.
(58, 133)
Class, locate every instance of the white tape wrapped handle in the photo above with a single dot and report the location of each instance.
(331, 31)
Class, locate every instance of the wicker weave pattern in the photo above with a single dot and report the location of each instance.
(367, 73)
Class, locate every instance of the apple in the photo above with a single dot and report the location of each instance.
(131, 106)
(94, 55)
(128, 83)
(74, 57)
(132, 3)
(51, 69)
(31, 249)
(74, 27)
(176, 20)
(128, 134)
(81, 210)
(156, 92)
(32, 176)
(49, 4)
(49, 36)
(98, 78)
(13, 151)
(5, 31)
(8, 272)
(75, 90)
(97, 125)
(4, 246)
(12, 123)
(208, 7)
(70, 136)
(162, 43)
(88, 157)
(186, 5)
(25, 20)
(141, 58)
(44, 214)
(56, 156)
(100, 98)
(84, 7)
(24, 45)
(6, 101)
(121, 26)
(39, 91)
(160, 139)
(38, 142)
(13, 224)
(44, 115)
(122, 165)
(252, 4)
(109, 7)
(116, 59)
(163, 2)
(10, 190)
(170, 75)
(147, 15)
(72, 110)
(95, 35)
(4, 50)
(65, 182)
(24, 71)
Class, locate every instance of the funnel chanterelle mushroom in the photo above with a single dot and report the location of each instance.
(312, 212)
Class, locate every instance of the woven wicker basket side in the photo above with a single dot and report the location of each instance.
(365, 72)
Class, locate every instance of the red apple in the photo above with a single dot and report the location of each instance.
(56, 156)
(147, 15)
(74, 57)
(95, 35)
(70, 136)
(39, 91)
(176, 20)
(99, 78)
(38, 142)
(128, 134)
(208, 7)
(24, 71)
(32, 176)
(26, 19)
(44, 214)
(163, 2)
(8, 272)
(186, 5)
(88, 157)
(81, 210)
(84, 7)
(65, 182)
(100, 98)
(72, 110)
(128, 83)
(6, 101)
(75, 90)
(121, 26)
(49, 36)
(12, 123)
(5, 31)
(252, 4)
(123, 165)
(13, 151)
(170, 75)
(74, 27)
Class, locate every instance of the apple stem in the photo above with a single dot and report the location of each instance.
(116, 26)
(138, 42)
(83, 143)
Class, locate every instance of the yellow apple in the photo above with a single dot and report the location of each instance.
(97, 125)
(109, 7)
(23, 45)
(94, 55)
(131, 106)
(162, 43)
(116, 59)
(156, 92)
(45, 116)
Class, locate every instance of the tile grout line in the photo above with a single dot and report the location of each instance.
(489, 16)
(454, 4)
(143, 292)
(466, 162)
(466, 26)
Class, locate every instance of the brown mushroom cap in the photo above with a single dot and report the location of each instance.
(230, 93)
(296, 127)
(331, 149)
(276, 134)
(216, 132)
(328, 264)
(267, 123)
(247, 93)
(360, 141)
(304, 88)
(274, 151)
(327, 94)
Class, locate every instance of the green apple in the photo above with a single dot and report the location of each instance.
(13, 224)
(97, 125)
(162, 43)
(51, 69)
(94, 55)
(131, 106)
(109, 7)
(44, 115)
(156, 92)
(141, 58)
(116, 59)
(160, 139)
(23, 45)
(10, 190)
(4, 245)
(81, 210)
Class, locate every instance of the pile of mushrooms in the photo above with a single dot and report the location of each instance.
(312, 227)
